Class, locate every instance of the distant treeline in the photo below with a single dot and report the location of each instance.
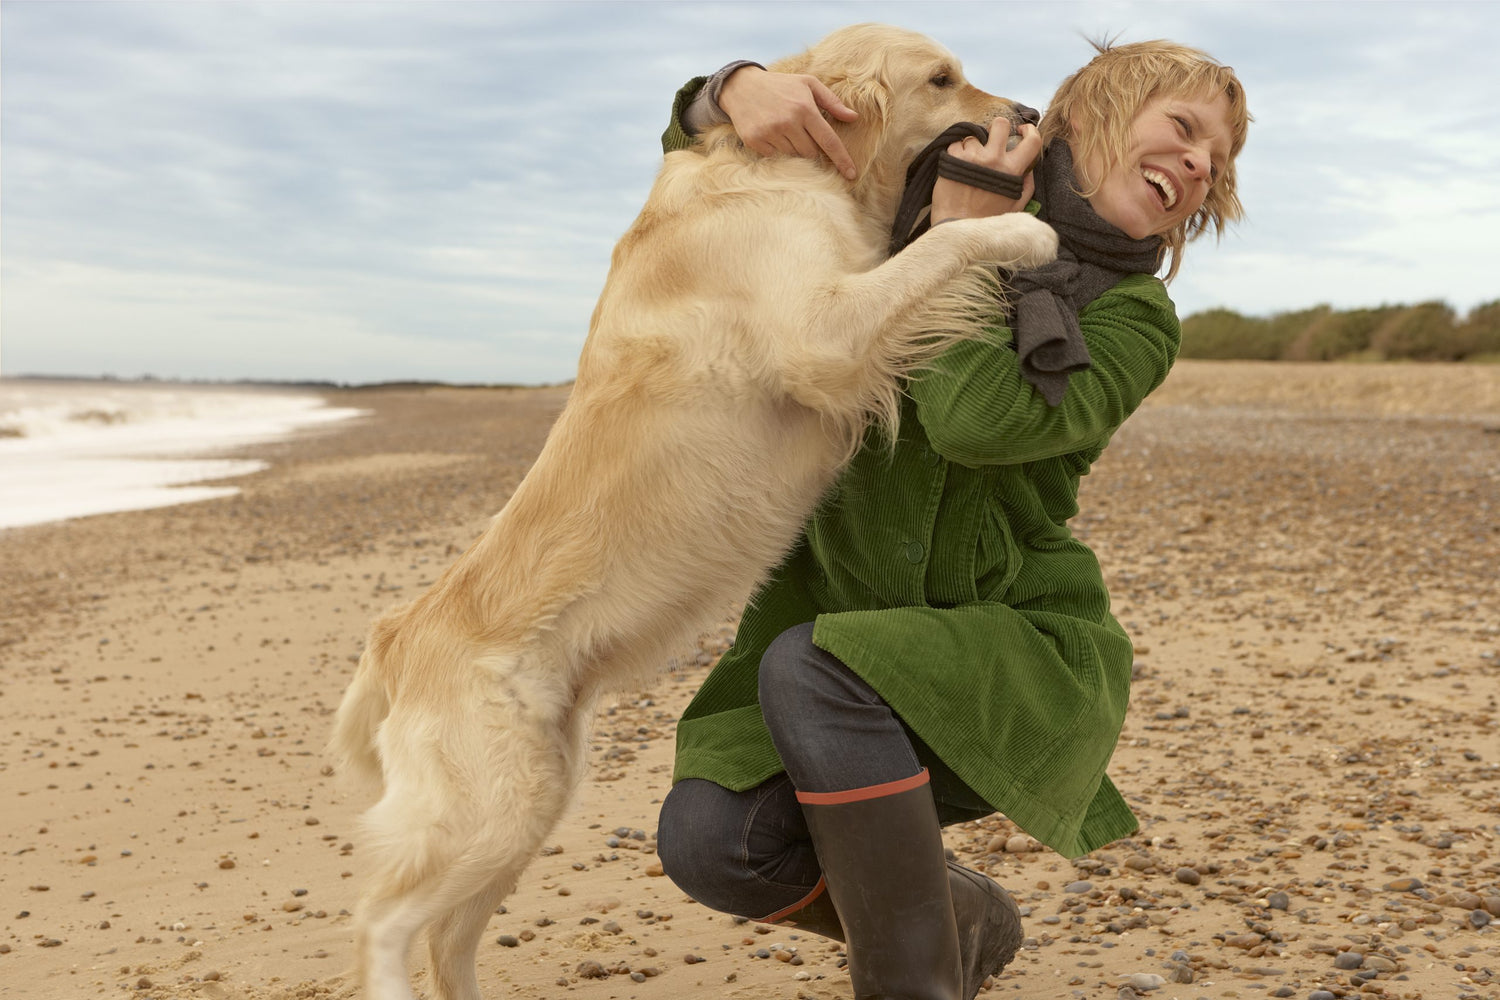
(1428, 331)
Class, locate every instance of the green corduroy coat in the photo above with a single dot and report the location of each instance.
(943, 572)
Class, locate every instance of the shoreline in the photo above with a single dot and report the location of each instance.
(78, 449)
(1306, 567)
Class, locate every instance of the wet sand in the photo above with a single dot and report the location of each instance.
(1305, 554)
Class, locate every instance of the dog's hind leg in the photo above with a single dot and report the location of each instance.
(454, 938)
(387, 926)
(454, 903)
(419, 837)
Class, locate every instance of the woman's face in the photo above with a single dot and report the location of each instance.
(1179, 147)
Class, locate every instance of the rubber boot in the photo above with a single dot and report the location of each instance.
(988, 919)
(813, 913)
(881, 851)
(989, 925)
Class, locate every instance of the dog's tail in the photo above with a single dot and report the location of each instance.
(353, 747)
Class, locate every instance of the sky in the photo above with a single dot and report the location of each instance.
(363, 192)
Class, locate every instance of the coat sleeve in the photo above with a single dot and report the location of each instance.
(977, 408)
(676, 137)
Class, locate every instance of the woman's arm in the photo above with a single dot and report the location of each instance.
(773, 113)
(978, 410)
(784, 113)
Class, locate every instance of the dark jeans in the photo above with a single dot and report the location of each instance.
(749, 852)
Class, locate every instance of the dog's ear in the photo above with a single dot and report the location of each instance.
(858, 77)
(869, 95)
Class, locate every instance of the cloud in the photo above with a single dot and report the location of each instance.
(373, 191)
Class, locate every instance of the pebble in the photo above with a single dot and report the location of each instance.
(1321, 995)
(1478, 919)
(1348, 960)
(1378, 963)
(1461, 900)
(1404, 885)
(1278, 901)
(1018, 843)
(1188, 876)
(508, 941)
(1078, 887)
(1144, 982)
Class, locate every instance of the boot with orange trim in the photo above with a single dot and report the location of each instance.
(917, 927)
(989, 922)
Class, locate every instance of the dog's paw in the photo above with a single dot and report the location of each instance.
(1023, 241)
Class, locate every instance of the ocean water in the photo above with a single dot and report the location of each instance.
(69, 449)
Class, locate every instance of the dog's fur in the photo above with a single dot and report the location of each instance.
(749, 332)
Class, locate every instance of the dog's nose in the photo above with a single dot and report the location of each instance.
(1030, 116)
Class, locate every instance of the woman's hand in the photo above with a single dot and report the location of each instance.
(783, 113)
(956, 200)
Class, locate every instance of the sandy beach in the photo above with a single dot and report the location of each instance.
(1305, 555)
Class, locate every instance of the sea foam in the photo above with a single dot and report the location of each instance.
(69, 449)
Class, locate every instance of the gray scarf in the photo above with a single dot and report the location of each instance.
(1092, 257)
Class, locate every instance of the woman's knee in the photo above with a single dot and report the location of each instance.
(780, 664)
(789, 674)
(802, 687)
(696, 838)
(736, 852)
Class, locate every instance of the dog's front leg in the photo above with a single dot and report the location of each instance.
(872, 327)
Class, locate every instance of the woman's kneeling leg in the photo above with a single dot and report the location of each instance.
(746, 853)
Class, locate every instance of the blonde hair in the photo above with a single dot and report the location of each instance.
(1104, 97)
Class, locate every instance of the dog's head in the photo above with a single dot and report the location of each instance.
(906, 88)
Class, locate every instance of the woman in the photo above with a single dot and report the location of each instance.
(938, 646)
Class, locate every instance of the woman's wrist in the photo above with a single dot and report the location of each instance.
(705, 111)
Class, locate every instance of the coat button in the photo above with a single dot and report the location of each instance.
(914, 552)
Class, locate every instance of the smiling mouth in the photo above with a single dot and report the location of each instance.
(1164, 187)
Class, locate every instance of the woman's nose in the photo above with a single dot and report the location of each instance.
(1196, 164)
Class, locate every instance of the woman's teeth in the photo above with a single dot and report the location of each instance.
(1159, 179)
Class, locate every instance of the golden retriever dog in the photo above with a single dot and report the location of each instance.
(750, 331)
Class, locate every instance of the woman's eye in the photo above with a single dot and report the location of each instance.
(941, 80)
(1184, 124)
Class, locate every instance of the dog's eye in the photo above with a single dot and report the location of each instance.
(941, 80)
